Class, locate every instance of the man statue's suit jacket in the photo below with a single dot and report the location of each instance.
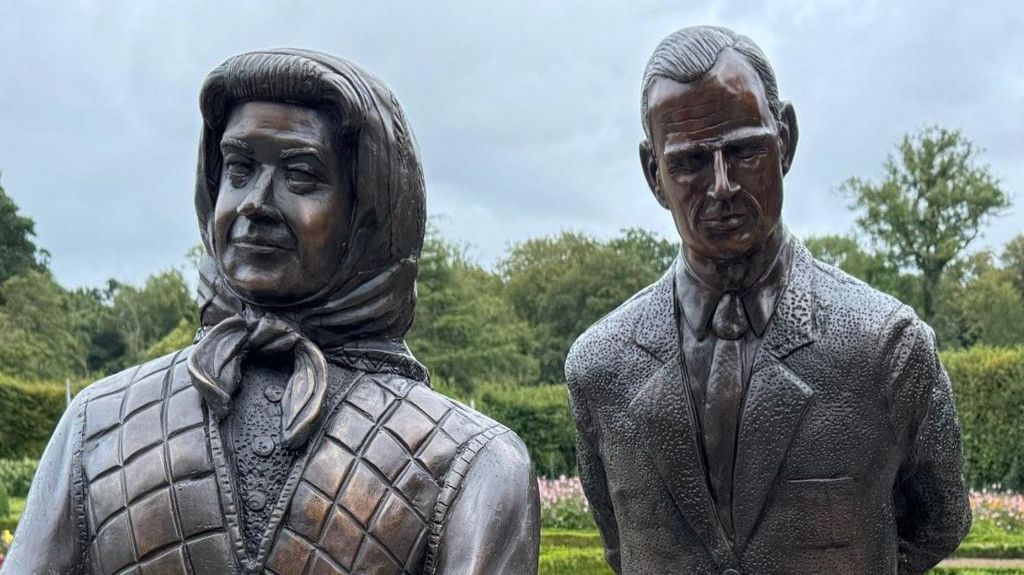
(848, 459)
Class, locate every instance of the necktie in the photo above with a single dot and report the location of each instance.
(723, 400)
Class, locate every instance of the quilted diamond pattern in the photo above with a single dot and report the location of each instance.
(363, 504)
(151, 499)
(369, 490)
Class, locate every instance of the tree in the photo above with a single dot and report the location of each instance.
(466, 332)
(122, 322)
(654, 252)
(36, 339)
(17, 250)
(932, 202)
(563, 284)
(979, 305)
(1013, 260)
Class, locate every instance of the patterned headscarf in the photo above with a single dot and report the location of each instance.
(359, 319)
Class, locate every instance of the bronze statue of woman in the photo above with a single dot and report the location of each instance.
(298, 435)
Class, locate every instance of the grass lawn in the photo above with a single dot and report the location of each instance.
(569, 552)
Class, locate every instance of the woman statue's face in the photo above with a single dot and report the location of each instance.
(284, 207)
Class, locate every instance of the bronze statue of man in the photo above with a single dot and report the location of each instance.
(298, 435)
(756, 411)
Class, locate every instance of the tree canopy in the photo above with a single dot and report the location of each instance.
(17, 249)
(934, 198)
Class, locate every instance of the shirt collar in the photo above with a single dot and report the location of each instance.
(698, 301)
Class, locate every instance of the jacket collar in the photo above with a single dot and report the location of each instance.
(697, 300)
(788, 322)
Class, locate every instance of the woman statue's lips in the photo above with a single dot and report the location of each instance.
(261, 243)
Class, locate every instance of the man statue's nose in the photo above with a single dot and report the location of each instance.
(723, 188)
(259, 202)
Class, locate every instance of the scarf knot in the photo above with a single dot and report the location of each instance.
(215, 367)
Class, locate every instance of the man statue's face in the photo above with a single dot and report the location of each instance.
(283, 206)
(716, 158)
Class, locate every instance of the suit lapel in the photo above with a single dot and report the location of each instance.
(664, 417)
(776, 399)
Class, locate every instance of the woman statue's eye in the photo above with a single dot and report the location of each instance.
(301, 178)
(238, 171)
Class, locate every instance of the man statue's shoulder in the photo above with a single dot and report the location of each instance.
(854, 311)
(598, 348)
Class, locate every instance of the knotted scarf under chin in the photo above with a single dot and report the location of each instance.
(215, 366)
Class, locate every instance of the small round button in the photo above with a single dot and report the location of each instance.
(730, 572)
(274, 393)
(257, 500)
(263, 446)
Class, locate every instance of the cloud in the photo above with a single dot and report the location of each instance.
(526, 113)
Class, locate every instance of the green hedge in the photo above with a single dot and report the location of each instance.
(988, 383)
(16, 475)
(989, 387)
(28, 414)
(540, 415)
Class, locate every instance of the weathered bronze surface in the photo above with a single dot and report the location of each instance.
(756, 411)
(298, 435)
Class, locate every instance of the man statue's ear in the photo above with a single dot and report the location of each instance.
(649, 164)
(789, 134)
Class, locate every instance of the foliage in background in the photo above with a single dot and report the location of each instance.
(540, 416)
(989, 387)
(846, 253)
(16, 475)
(28, 414)
(934, 199)
(562, 284)
(979, 303)
(465, 331)
(180, 337)
(980, 298)
(36, 339)
(17, 249)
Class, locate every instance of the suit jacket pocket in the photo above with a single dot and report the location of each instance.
(816, 512)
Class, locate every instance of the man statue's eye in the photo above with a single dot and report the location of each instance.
(689, 162)
(747, 152)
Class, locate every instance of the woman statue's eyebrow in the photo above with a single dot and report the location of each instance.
(303, 151)
(241, 145)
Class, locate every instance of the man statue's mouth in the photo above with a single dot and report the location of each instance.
(726, 222)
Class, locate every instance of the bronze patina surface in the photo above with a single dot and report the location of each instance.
(756, 411)
(298, 435)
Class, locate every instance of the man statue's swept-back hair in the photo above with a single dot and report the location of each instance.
(686, 55)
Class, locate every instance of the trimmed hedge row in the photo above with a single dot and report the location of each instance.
(540, 415)
(988, 383)
(28, 413)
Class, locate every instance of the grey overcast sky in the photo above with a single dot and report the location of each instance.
(526, 112)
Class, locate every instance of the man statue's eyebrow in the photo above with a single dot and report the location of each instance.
(746, 137)
(236, 143)
(305, 151)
